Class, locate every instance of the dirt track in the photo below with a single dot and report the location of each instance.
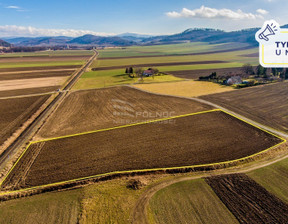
(247, 200)
(199, 139)
(159, 64)
(267, 104)
(102, 108)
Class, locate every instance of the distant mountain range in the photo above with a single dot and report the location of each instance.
(128, 39)
(4, 44)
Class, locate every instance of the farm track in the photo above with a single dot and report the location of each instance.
(31, 128)
(203, 100)
(159, 64)
(139, 214)
(265, 104)
(247, 200)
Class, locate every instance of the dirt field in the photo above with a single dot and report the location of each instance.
(198, 139)
(43, 59)
(185, 88)
(267, 104)
(13, 112)
(102, 108)
(31, 83)
(33, 75)
(248, 201)
(195, 74)
(159, 64)
(21, 92)
(45, 68)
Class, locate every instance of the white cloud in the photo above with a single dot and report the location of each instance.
(209, 13)
(28, 31)
(262, 11)
(12, 7)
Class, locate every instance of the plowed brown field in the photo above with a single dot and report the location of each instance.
(14, 112)
(267, 104)
(192, 140)
(248, 201)
(102, 108)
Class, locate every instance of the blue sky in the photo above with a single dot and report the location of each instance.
(73, 18)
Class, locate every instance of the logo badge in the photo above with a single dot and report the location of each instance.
(273, 45)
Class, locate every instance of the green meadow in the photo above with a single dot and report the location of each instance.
(106, 78)
(273, 178)
(190, 201)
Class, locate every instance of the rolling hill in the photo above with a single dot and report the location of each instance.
(212, 36)
(101, 41)
(4, 44)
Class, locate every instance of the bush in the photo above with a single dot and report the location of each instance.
(134, 184)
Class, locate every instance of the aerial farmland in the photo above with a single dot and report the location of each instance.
(180, 128)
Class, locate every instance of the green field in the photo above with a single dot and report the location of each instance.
(233, 56)
(274, 178)
(105, 202)
(100, 79)
(49, 53)
(111, 77)
(188, 202)
(46, 208)
(185, 48)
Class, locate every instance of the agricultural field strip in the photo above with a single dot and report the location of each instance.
(231, 56)
(29, 95)
(142, 170)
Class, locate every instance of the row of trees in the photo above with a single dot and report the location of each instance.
(260, 71)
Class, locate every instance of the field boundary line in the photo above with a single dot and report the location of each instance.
(125, 126)
(144, 170)
(30, 143)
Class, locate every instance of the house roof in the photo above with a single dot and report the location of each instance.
(148, 71)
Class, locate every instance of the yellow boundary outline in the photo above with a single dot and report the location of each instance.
(140, 170)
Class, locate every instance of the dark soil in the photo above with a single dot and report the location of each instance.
(248, 201)
(192, 140)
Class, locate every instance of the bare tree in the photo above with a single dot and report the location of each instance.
(139, 72)
(248, 69)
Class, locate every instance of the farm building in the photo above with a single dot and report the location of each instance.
(148, 73)
(234, 80)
